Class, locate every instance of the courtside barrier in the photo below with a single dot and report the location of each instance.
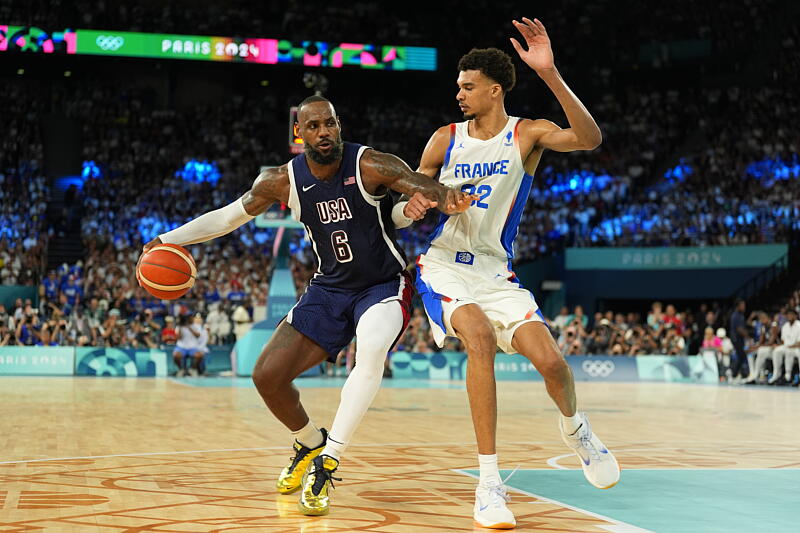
(92, 361)
(36, 361)
(120, 362)
(453, 365)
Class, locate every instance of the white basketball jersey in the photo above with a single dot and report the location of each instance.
(492, 169)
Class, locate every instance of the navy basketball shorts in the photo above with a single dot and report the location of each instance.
(329, 315)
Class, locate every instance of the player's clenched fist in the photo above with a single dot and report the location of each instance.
(417, 206)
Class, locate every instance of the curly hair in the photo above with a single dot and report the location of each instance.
(493, 63)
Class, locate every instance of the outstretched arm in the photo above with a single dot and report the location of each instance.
(583, 133)
(381, 169)
(270, 186)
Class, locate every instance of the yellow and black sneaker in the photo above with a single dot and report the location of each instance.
(315, 500)
(291, 478)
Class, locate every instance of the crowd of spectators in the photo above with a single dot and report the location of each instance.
(97, 301)
(735, 184)
(23, 187)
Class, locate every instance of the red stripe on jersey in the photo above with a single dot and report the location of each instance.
(516, 143)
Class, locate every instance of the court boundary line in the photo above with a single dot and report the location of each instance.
(262, 448)
(681, 469)
(618, 525)
(554, 465)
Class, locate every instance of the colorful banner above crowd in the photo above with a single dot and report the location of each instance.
(206, 48)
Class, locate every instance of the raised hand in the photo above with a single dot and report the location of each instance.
(539, 55)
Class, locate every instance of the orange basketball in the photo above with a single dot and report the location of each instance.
(167, 271)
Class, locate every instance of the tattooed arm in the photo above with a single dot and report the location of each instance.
(380, 170)
(269, 187)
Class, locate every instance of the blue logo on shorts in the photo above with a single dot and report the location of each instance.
(465, 258)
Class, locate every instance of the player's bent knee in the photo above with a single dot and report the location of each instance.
(267, 381)
(481, 340)
(553, 367)
(371, 362)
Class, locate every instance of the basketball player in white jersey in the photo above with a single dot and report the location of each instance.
(465, 277)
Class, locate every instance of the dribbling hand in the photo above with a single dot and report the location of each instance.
(147, 247)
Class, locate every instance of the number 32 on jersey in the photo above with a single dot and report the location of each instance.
(483, 191)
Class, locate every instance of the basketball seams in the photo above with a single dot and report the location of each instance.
(154, 265)
(189, 259)
(168, 268)
(168, 288)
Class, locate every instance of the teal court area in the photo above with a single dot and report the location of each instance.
(677, 501)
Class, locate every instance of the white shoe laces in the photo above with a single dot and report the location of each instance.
(584, 437)
(498, 495)
(586, 442)
(498, 492)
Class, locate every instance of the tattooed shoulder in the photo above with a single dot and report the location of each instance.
(271, 186)
(385, 165)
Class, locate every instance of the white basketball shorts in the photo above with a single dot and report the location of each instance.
(447, 280)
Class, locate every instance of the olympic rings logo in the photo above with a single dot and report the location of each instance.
(109, 42)
(596, 369)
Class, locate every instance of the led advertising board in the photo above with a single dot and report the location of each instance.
(29, 39)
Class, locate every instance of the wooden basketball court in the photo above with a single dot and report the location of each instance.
(117, 454)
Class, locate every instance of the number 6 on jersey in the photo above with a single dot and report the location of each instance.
(340, 246)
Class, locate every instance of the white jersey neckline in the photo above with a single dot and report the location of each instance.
(499, 133)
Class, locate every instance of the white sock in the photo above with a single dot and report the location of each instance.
(376, 330)
(489, 473)
(309, 435)
(571, 423)
(334, 448)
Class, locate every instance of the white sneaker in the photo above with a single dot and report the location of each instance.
(490, 507)
(599, 465)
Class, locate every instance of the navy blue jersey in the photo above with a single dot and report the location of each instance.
(351, 231)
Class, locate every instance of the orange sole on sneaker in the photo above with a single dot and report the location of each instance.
(501, 525)
(612, 485)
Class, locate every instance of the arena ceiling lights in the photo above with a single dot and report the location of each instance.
(206, 48)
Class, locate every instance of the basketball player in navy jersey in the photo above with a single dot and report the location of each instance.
(339, 192)
(465, 276)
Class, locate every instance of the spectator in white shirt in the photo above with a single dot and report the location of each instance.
(789, 351)
(187, 347)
